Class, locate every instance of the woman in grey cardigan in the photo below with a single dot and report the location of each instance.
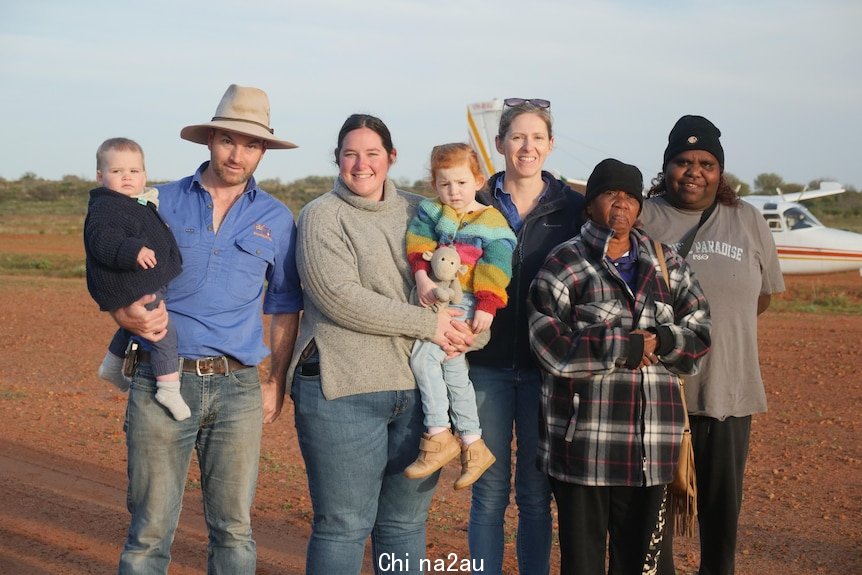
(358, 412)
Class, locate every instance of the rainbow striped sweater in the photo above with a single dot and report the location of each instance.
(483, 239)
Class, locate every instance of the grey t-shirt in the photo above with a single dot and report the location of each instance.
(734, 259)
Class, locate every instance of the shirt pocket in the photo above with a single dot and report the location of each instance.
(195, 258)
(187, 236)
(252, 257)
(596, 313)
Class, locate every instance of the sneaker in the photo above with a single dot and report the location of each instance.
(476, 458)
(435, 451)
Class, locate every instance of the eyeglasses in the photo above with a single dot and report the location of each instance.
(512, 102)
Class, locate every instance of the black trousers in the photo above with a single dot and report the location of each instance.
(720, 454)
(588, 515)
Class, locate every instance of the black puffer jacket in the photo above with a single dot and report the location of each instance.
(116, 229)
(558, 217)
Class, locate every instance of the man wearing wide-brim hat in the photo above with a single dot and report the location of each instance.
(237, 243)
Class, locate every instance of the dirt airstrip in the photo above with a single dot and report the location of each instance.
(63, 460)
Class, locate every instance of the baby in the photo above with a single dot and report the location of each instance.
(131, 253)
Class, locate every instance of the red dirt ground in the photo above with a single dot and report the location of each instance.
(62, 451)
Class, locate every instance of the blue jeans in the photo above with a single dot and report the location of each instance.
(507, 398)
(355, 450)
(445, 384)
(225, 430)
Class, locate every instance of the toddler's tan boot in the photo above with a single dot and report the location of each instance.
(435, 451)
(476, 458)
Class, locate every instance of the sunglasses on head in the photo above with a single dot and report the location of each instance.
(539, 103)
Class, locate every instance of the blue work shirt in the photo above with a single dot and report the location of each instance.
(508, 207)
(214, 303)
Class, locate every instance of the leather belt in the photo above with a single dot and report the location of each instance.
(309, 369)
(216, 365)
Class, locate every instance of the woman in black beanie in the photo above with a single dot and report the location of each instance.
(730, 248)
(610, 332)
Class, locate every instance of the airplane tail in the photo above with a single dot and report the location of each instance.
(483, 121)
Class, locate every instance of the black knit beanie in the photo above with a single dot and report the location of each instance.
(611, 174)
(694, 133)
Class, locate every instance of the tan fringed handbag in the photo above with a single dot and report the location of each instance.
(682, 491)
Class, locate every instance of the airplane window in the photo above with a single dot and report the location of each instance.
(797, 219)
(773, 221)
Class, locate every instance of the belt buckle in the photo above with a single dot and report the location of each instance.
(210, 365)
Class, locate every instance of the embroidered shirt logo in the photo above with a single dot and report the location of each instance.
(263, 231)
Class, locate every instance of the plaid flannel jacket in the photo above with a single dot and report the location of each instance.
(604, 424)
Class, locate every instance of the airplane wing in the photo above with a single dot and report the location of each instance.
(577, 185)
(825, 189)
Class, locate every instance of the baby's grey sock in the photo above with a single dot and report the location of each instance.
(169, 396)
(112, 370)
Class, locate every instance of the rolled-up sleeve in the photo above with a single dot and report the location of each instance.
(284, 290)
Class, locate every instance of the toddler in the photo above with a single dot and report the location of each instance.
(131, 253)
(484, 241)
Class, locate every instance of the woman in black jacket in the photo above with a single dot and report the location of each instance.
(543, 212)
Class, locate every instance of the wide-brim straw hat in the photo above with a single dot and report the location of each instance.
(242, 110)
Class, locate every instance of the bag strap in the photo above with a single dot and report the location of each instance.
(663, 265)
(689, 239)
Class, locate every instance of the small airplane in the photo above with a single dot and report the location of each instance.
(805, 246)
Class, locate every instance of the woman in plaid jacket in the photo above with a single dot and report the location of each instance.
(610, 338)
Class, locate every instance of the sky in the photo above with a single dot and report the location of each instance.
(781, 79)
